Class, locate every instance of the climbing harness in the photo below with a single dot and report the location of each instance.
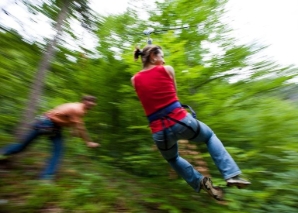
(163, 115)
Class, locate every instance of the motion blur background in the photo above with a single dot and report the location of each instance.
(235, 63)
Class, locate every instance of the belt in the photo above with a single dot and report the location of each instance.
(164, 111)
(46, 117)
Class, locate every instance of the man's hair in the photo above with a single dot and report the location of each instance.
(89, 98)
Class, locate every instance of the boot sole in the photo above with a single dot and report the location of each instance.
(213, 191)
(238, 185)
(215, 196)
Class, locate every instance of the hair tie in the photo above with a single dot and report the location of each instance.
(137, 53)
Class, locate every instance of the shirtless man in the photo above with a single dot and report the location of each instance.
(51, 124)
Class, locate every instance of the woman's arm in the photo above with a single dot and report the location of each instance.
(170, 70)
(133, 81)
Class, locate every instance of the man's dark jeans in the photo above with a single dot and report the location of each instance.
(43, 126)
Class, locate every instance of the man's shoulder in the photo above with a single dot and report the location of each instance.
(75, 107)
(69, 105)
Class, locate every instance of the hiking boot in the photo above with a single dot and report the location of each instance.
(214, 191)
(237, 181)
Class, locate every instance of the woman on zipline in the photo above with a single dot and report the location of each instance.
(156, 88)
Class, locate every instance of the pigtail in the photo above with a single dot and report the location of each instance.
(137, 53)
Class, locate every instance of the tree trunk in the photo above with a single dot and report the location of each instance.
(39, 80)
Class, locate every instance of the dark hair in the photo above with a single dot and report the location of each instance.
(146, 52)
(89, 98)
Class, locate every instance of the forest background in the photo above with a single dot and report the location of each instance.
(250, 102)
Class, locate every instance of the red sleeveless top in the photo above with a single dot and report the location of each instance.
(156, 90)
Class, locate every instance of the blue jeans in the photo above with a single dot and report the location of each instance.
(169, 150)
(46, 127)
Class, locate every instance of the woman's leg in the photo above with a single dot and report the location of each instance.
(222, 159)
(182, 167)
(168, 147)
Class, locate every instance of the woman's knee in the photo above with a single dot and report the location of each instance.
(173, 159)
(205, 134)
(170, 154)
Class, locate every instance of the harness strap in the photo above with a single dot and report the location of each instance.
(193, 113)
(196, 132)
(165, 134)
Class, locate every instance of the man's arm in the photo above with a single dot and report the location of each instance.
(75, 117)
(82, 133)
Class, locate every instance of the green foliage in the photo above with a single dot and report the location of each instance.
(241, 100)
(17, 59)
